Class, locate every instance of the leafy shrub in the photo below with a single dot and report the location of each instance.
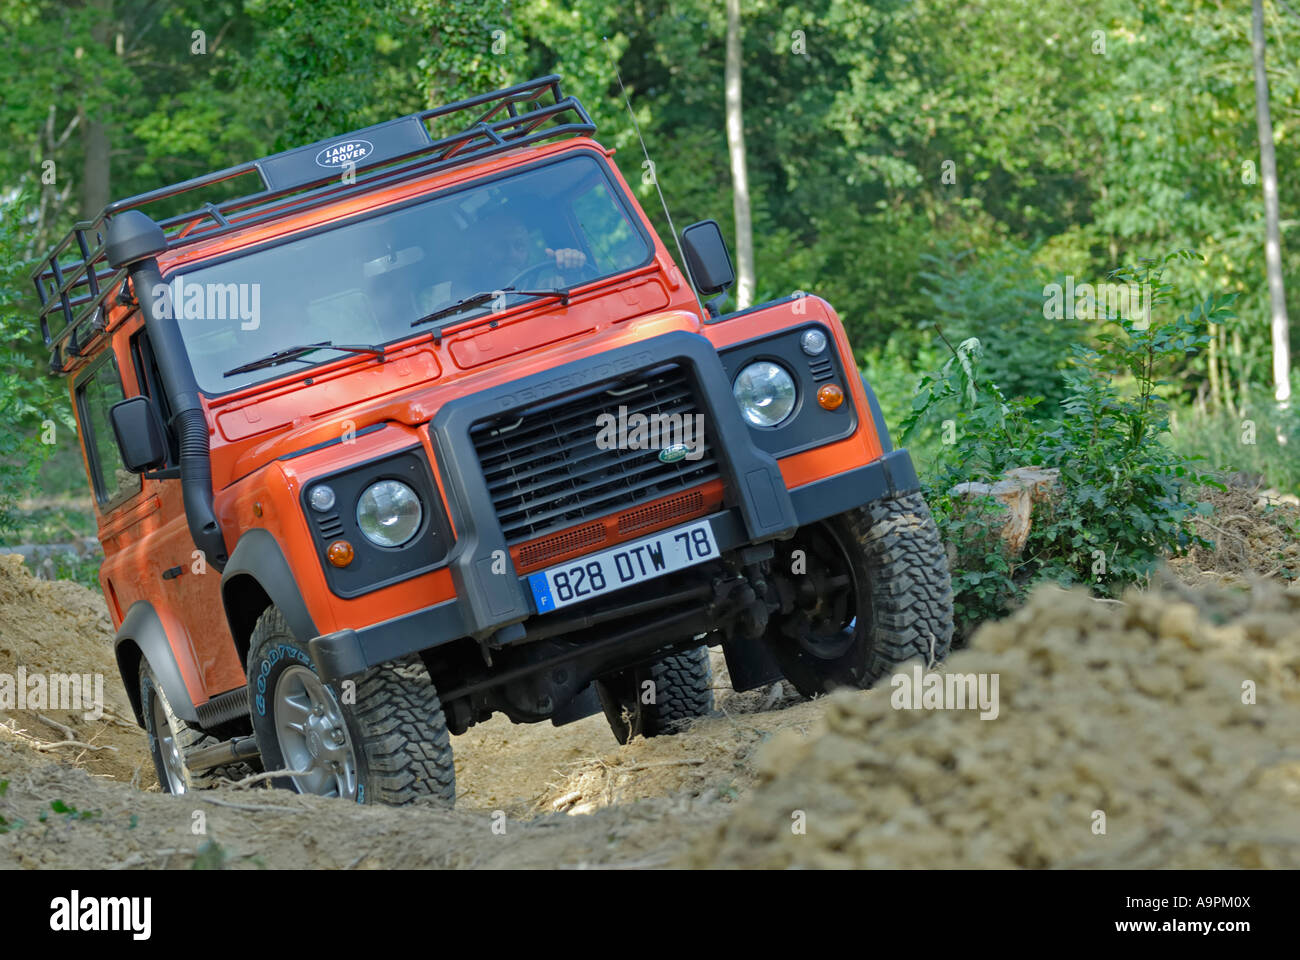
(998, 299)
(1125, 498)
(891, 371)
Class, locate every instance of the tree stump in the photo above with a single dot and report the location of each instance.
(1019, 491)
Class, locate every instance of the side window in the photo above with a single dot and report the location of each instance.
(96, 394)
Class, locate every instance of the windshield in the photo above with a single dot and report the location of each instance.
(365, 282)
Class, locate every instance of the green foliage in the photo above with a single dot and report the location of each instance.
(1125, 497)
(999, 298)
(890, 369)
(29, 401)
(335, 65)
(82, 570)
(71, 813)
(59, 523)
(1257, 438)
(211, 856)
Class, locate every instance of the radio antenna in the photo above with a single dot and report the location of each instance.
(654, 175)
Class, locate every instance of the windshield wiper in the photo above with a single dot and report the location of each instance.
(289, 354)
(479, 299)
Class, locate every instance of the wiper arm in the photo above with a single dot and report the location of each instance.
(561, 292)
(459, 305)
(479, 299)
(289, 354)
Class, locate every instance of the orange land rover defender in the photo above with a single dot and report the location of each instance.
(431, 425)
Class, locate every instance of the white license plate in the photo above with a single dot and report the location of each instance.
(600, 573)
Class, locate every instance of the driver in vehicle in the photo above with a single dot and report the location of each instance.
(512, 256)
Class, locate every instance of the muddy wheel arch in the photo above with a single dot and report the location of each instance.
(257, 576)
(143, 637)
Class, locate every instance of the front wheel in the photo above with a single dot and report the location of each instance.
(380, 738)
(863, 591)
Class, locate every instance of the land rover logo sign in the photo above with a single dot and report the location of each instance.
(677, 451)
(345, 152)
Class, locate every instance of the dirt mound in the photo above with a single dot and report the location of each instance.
(1125, 736)
(712, 762)
(517, 783)
(71, 820)
(1253, 534)
(58, 627)
(1133, 711)
(531, 769)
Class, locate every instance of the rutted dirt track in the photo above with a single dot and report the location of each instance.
(1134, 710)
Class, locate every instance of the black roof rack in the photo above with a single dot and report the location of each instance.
(75, 278)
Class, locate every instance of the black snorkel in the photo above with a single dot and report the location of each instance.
(134, 241)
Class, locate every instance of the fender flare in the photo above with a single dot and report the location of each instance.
(257, 557)
(142, 632)
(882, 428)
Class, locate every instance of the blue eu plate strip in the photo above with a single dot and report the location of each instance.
(541, 592)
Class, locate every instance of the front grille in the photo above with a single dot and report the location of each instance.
(545, 471)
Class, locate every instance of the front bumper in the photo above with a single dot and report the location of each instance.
(349, 652)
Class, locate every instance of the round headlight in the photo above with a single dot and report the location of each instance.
(389, 513)
(765, 393)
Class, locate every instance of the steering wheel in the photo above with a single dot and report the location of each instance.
(529, 271)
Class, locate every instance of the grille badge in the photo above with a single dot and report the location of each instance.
(677, 451)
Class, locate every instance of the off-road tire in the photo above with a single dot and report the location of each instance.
(907, 612)
(397, 728)
(186, 737)
(683, 691)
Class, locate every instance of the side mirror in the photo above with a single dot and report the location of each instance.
(707, 258)
(139, 434)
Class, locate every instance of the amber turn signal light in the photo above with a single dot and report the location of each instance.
(340, 553)
(830, 397)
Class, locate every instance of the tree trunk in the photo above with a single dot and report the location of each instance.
(95, 186)
(1273, 235)
(94, 171)
(739, 170)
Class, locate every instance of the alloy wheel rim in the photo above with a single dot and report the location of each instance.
(313, 735)
(172, 761)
